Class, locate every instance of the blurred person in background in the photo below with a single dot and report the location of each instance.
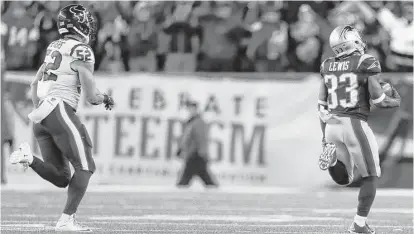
(267, 47)
(306, 46)
(218, 52)
(20, 35)
(46, 23)
(193, 147)
(112, 36)
(185, 34)
(92, 6)
(142, 38)
(400, 29)
(7, 131)
(6, 137)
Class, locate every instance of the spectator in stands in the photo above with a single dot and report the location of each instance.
(46, 23)
(20, 35)
(112, 36)
(269, 42)
(306, 48)
(400, 29)
(92, 6)
(142, 38)
(133, 34)
(185, 34)
(218, 51)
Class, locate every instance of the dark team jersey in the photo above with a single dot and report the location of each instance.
(19, 37)
(347, 83)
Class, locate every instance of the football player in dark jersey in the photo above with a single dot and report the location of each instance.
(349, 85)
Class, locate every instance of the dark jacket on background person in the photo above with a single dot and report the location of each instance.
(194, 140)
(193, 148)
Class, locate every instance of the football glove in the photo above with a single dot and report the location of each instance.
(395, 94)
(108, 101)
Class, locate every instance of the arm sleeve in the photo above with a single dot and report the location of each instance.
(83, 52)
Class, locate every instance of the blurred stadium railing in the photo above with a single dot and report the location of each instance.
(264, 131)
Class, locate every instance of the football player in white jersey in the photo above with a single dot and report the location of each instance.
(62, 138)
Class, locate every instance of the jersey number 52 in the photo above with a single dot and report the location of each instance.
(342, 90)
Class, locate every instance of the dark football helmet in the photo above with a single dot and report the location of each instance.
(76, 19)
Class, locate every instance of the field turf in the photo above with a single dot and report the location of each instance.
(196, 210)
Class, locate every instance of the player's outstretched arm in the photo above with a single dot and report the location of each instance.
(85, 72)
(33, 85)
(378, 96)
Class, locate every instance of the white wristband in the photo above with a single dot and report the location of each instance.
(378, 100)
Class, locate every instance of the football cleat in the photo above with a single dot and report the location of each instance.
(69, 224)
(354, 228)
(328, 156)
(23, 156)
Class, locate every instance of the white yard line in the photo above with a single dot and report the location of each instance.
(87, 223)
(373, 211)
(222, 190)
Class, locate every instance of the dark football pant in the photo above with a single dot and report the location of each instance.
(196, 166)
(62, 138)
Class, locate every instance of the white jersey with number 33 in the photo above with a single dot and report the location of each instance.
(59, 80)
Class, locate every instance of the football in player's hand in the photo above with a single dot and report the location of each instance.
(386, 87)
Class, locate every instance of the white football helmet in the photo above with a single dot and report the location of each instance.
(345, 40)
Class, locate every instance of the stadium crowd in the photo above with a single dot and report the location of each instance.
(213, 36)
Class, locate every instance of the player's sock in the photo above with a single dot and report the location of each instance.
(366, 195)
(339, 173)
(64, 217)
(360, 220)
(77, 188)
(49, 172)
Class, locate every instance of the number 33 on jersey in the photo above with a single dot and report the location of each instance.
(347, 84)
(59, 80)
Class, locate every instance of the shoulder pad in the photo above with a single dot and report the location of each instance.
(369, 64)
(322, 68)
(83, 52)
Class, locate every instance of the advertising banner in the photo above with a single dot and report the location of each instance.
(262, 133)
